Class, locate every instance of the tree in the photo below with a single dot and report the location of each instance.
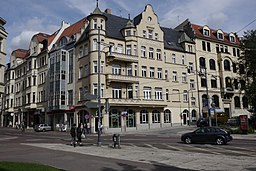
(248, 63)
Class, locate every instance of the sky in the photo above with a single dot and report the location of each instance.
(27, 17)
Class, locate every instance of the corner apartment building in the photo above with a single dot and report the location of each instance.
(3, 36)
(144, 83)
(218, 69)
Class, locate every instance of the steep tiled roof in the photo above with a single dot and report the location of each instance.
(41, 36)
(51, 37)
(171, 39)
(21, 53)
(73, 29)
(198, 30)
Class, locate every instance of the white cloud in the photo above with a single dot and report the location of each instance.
(84, 7)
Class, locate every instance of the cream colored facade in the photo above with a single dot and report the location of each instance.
(3, 36)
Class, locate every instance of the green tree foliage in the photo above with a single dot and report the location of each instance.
(248, 61)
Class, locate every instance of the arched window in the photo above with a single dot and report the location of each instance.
(202, 62)
(215, 100)
(167, 116)
(193, 116)
(212, 64)
(144, 117)
(130, 118)
(237, 102)
(245, 102)
(226, 65)
(114, 119)
(155, 116)
(204, 100)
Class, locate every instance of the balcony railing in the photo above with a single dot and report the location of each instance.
(138, 102)
(124, 57)
(122, 78)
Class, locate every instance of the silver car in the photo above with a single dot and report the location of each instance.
(42, 127)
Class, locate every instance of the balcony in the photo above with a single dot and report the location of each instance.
(122, 78)
(137, 102)
(124, 57)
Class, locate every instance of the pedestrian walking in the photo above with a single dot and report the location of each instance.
(73, 135)
(80, 130)
(23, 127)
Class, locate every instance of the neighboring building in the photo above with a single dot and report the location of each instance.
(3, 36)
(146, 85)
(217, 55)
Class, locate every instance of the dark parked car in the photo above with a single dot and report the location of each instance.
(207, 135)
(202, 122)
(42, 127)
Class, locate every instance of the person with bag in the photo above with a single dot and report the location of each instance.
(73, 135)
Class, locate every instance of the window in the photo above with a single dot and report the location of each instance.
(203, 82)
(147, 93)
(158, 94)
(174, 76)
(94, 44)
(136, 90)
(86, 50)
(95, 67)
(159, 73)
(144, 33)
(143, 51)
(167, 94)
(130, 92)
(70, 97)
(185, 95)
(213, 83)
(151, 53)
(183, 60)
(135, 50)
(232, 39)
(128, 32)
(128, 49)
(95, 23)
(129, 70)
(226, 49)
(237, 102)
(167, 116)
(217, 48)
(206, 32)
(192, 84)
(220, 36)
(203, 45)
(208, 46)
(150, 34)
(144, 71)
(184, 77)
(158, 54)
(152, 72)
(119, 48)
(156, 36)
(102, 67)
(63, 75)
(190, 67)
(143, 117)
(226, 65)
(116, 69)
(202, 62)
(116, 93)
(212, 64)
(135, 70)
(155, 116)
(173, 58)
(95, 89)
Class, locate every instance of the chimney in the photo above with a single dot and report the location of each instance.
(108, 11)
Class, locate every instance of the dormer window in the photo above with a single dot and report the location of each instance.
(232, 39)
(220, 36)
(206, 32)
(95, 23)
(128, 32)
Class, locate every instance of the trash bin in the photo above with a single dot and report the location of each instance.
(116, 140)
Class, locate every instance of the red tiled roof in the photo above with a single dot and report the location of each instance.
(21, 53)
(51, 37)
(73, 29)
(213, 35)
(41, 36)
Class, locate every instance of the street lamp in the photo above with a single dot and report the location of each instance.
(99, 82)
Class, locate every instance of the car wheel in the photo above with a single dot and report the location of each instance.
(188, 140)
(220, 141)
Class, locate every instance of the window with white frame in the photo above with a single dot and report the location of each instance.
(144, 71)
(119, 48)
(136, 90)
(94, 44)
(116, 69)
(192, 84)
(174, 76)
(158, 93)
(167, 94)
(95, 89)
(128, 49)
(183, 60)
(143, 51)
(135, 70)
(152, 72)
(129, 70)
(206, 32)
(173, 58)
(116, 93)
(159, 73)
(150, 34)
(135, 50)
(95, 23)
(158, 54)
(185, 95)
(220, 36)
(143, 117)
(232, 39)
(190, 67)
(95, 67)
(151, 53)
(147, 93)
(130, 92)
(184, 77)
(155, 116)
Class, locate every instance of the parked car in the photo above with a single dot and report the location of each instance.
(202, 122)
(207, 135)
(42, 127)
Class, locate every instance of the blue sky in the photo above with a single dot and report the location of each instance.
(28, 17)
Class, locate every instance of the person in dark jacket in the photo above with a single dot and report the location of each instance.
(73, 135)
(79, 131)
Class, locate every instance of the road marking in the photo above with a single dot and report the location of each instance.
(8, 138)
(231, 151)
(173, 147)
(202, 149)
(151, 146)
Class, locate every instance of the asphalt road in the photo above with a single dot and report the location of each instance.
(12, 148)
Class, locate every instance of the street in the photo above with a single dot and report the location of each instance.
(53, 148)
